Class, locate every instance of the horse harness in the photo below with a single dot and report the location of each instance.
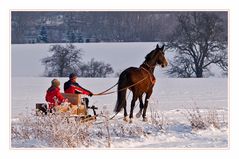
(152, 78)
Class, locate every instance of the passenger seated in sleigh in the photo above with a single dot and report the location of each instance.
(70, 101)
(54, 98)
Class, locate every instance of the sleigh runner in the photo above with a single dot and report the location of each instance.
(75, 108)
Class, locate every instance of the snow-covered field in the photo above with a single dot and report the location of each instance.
(173, 99)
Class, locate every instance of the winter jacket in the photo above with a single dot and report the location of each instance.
(52, 94)
(75, 88)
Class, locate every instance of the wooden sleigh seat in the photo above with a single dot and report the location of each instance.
(79, 110)
(74, 99)
(78, 107)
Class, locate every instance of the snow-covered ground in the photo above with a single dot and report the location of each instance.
(172, 98)
(169, 93)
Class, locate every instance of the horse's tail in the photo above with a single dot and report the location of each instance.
(121, 93)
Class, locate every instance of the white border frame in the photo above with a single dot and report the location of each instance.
(184, 5)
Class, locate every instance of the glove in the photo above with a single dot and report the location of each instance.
(90, 94)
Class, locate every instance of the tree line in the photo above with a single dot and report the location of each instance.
(106, 26)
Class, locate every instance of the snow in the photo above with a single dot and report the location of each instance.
(172, 98)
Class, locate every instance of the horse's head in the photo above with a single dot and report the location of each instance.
(161, 60)
(158, 55)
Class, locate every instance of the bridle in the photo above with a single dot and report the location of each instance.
(148, 66)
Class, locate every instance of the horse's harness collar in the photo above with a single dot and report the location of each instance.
(151, 76)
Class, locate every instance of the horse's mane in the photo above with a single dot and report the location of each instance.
(149, 55)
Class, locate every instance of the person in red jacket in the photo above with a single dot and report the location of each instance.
(71, 86)
(53, 95)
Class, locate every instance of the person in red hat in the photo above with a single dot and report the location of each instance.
(53, 95)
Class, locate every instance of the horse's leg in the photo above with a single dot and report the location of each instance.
(148, 94)
(141, 106)
(125, 114)
(132, 108)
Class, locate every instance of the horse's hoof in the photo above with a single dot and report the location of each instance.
(130, 120)
(138, 114)
(126, 119)
(145, 119)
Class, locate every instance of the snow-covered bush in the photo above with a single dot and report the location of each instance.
(213, 119)
(158, 119)
(200, 121)
(62, 131)
(54, 130)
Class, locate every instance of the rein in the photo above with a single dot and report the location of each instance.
(106, 91)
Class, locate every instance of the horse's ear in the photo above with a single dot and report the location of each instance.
(162, 47)
(157, 46)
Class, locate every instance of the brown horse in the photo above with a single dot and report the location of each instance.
(139, 80)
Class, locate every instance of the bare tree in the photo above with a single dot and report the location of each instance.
(64, 60)
(223, 64)
(200, 41)
(95, 69)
